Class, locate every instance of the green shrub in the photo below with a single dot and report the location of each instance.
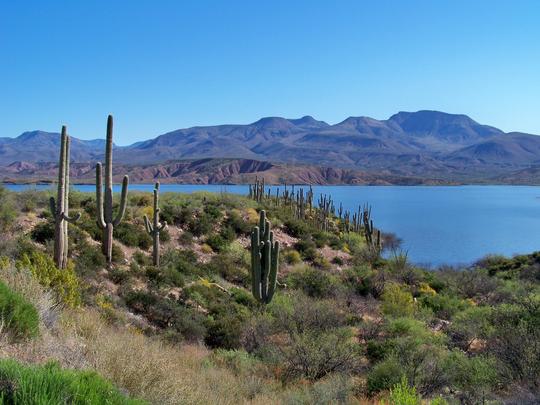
(292, 257)
(63, 283)
(313, 282)
(396, 301)
(360, 278)
(7, 209)
(443, 306)
(474, 377)
(89, 259)
(403, 394)
(43, 232)
(384, 376)
(216, 242)
(200, 225)
(182, 323)
(296, 228)
(237, 223)
(49, 384)
(19, 317)
(314, 355)
(231, 268)
(132, 235)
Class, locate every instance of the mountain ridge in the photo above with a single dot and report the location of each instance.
(423, 144)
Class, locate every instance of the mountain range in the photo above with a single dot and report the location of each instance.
(418, 147)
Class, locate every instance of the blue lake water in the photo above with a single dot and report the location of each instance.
(438, 224)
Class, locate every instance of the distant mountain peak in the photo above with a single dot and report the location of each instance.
(307, 121)
(29, 135)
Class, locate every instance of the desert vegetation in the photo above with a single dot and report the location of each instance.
(264, 298)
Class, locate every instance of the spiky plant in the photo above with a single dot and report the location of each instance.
(60, 207)
(105, 220)
(264, 261)
(155, 227)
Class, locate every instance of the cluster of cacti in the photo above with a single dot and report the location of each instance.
(372, 235)
(60, 207)
(326, 211)
(256, 190)
(105, 220)
(264, 260)
(155, 227)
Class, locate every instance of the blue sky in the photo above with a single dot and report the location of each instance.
(163, 65)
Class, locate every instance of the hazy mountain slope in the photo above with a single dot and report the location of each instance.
(41, 146)
(427, 144)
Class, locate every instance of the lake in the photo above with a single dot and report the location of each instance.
(438, 224)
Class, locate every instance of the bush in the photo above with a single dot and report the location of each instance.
(63, 283)
(313, 282)
(443, 306)
(216, 242)
(43, 232)
(19, 316)
(49, 384)
(89, 259)
(384, 376)
(236, 222)
(403, 394)
(231, 268)
(313, 355)
(7, 209)
(361, 279)
(298, 314)
(397, 302)
(133, 235)
(292, 257)
(182, 323)
(296, 228)
(474, 377)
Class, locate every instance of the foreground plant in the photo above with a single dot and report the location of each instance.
(264, 260)
(60, 207)
(105, 219)
(155, 227)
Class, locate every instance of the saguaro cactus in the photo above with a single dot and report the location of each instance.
(60, 207)
(155, 227)
(264, 260)
(105, 220)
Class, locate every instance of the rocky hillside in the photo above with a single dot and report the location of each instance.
(212, 171)
(345, 325)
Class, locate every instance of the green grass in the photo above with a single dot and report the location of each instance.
(19, 316)
(49, 384)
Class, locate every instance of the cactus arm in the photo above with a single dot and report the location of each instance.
(99, 198)
(52, 206)
(123, 202)
(272, 277)
(73, 219)
(148, 225)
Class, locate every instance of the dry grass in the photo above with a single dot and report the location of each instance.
(160, 373)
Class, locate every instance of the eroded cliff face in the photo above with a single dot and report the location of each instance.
(212, 171)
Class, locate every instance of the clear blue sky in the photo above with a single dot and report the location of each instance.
(163, 65)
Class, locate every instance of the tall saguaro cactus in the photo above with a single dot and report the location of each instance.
(105, 220)
(60, 207)
(155, 227)
(264, 260)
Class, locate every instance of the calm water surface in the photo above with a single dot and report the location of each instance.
(438, 225)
